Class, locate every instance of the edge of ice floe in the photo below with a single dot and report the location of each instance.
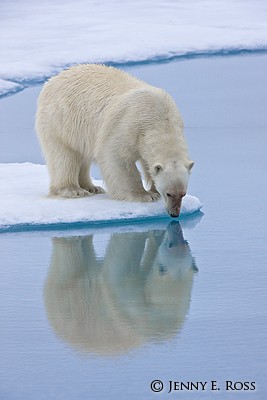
(8, 87)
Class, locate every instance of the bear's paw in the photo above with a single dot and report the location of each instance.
(71, 193)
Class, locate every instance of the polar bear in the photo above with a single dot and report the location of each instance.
(98, 113)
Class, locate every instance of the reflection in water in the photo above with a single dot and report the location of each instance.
(139, 291)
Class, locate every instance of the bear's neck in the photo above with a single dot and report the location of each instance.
(157, 149)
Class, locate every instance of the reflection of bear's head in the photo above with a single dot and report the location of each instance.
(140, 290)
(172, 270)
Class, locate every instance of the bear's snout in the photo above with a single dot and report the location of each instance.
(175, 214)
(173, 206)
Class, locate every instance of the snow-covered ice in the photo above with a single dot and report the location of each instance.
(38, 38)
(9, 87)
(25, 202)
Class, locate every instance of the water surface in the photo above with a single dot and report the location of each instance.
(99, 314)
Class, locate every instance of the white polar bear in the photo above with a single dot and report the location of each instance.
(99, 113)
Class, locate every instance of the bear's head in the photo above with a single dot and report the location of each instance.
(171, 181)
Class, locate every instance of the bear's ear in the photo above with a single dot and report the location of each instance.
(190, 165)
(157, 168)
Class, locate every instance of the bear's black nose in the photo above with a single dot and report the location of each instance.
(174, 215)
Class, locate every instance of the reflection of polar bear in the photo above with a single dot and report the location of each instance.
(139, 291)
(172, 267)
(94, 112)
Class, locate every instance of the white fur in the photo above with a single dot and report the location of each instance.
(99, 113)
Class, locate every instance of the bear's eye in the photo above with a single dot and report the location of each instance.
(168, 194)
(157, 168)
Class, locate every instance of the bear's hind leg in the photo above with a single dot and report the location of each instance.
(64, 165)
(85, 181)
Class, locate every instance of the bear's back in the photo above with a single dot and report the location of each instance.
(82, 93)
(91, 81)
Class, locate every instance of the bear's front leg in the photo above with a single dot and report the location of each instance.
(123, 181)
(149, 181)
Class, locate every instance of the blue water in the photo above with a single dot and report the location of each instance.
(100, 313)
(163, 58)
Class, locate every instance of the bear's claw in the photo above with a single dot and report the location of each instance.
(154, 195)
(144, 197)
(95, 190)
